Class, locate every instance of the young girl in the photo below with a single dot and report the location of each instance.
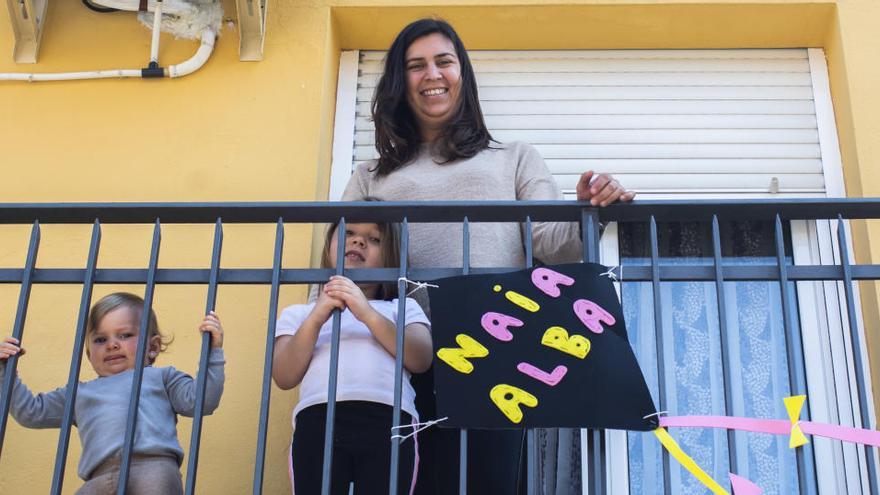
(101, 408)
(365, 384)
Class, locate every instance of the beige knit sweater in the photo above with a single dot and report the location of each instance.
(511, 171)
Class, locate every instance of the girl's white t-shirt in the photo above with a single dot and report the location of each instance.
(366, 369)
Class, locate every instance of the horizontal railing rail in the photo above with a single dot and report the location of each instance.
(437, 211)
(257, 276)
(716, 268)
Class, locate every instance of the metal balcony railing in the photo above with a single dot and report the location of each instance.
(279, 214)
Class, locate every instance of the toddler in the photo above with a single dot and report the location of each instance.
(101, 408)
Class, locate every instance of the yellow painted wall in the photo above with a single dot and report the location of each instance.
(262, 131)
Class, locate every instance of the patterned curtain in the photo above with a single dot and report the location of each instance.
(694, 381)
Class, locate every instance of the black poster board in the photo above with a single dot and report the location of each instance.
(543, 347)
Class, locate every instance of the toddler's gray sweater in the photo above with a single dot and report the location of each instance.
(101, 410)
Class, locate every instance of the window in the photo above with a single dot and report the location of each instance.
(696, 124)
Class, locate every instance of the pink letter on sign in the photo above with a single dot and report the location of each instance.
(496, 324)
(548, 281)
(542, 376)
(591, 314)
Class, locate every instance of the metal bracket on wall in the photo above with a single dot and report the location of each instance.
(28, 18)
(252, 28)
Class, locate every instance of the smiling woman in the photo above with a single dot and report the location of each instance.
(427, 94)
(433, 144)
(433, 77)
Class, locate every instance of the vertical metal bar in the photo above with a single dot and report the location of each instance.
(591, 468)
(398, 358)
(725, 343)
(202, 378)
(590, 235)
(260, 462)
(596, 443)
(24, 296)
(796, 368)
(138, 374)
(76, 361)
(334, 366)
(857, 344)
(598, 459)
(466, 246)
(528, 241)
(531, 433)
(590, 238)
(658, 331)
(463, 434)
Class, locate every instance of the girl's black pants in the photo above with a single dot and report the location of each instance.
(361, 450)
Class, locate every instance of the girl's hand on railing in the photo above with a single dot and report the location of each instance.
(324, 307)
(9, 347)
(211, 324)
(343, 289)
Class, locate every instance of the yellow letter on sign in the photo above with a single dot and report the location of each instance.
(557, 338)
(508, 398)
(457, 357)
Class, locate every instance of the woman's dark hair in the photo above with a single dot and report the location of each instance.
(397, 132)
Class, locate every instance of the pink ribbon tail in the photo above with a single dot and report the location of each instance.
(774, 427)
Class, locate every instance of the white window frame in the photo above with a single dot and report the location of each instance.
(822, 312)
(343, 125)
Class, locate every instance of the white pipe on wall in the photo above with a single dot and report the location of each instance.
(184, 68)
(157, 25)
(68, 76)
(196, 61)
(174, 7)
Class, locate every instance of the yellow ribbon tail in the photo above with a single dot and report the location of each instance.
(688, 463)
(797, 438)
(794, 405)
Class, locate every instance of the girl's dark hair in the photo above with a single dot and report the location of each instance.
(390, 253)
(397, 131)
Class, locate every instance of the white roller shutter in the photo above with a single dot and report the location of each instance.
(662, 121)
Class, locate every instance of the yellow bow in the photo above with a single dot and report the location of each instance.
(794, 405)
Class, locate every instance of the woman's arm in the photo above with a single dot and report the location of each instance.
(560, 242)
(552, 242)
(355, 189)
(293, 353)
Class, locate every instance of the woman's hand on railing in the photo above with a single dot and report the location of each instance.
(10, 347)
(601, 190)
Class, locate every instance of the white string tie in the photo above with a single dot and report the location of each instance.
(658, 414)
(417, 428)
(419, 285)
(610, 273)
